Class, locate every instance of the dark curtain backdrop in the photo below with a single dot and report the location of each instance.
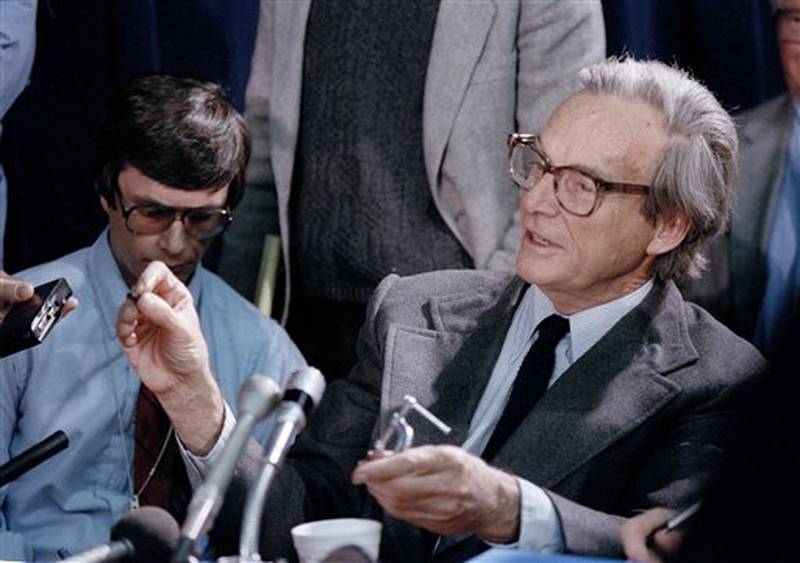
(211, 39)
(728, 44)
(86, 48)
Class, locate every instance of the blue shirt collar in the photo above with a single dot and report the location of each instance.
(110, 287)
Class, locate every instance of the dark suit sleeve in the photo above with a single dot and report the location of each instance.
(672, 475)
(315, 482)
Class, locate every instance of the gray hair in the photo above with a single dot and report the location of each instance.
(776, 5)
(697, 171)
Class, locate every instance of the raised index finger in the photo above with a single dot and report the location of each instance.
(158, 278)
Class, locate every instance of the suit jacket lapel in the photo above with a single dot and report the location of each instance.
(461, 31)
(608, 392)
(289, 30)
(446, 367)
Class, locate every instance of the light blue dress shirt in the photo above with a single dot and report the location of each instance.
(17, 46)
(781, 297)
(540, 530)
(79, 381)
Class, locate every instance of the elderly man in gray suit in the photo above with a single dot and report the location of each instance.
(753, 282)
(579, 390)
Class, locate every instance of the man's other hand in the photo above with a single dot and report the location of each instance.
(636, 531)
(445, 490)
(160, 334)
(14, 291)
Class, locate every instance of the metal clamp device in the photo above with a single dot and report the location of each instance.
(400, 432)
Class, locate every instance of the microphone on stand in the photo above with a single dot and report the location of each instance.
(303, 393)
(257, 397)
(33, 456)
(143, 535)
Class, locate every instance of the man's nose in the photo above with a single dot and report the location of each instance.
(541, 198)
(173, 240)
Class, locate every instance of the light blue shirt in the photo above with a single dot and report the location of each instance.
(17, 46)
(79, 381)
(540, 529)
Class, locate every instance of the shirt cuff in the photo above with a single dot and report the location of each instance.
(539, 524)
(197, 467)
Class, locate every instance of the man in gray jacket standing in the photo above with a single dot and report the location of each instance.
(386, 129)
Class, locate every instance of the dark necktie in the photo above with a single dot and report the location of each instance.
(156, 451)
(530, 383)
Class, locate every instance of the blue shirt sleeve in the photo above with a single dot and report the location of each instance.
(12, 545)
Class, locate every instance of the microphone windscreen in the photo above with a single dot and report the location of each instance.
(308, 380)
(153, 532)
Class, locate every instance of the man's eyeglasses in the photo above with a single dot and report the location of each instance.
(788, 22)
(200, 223)
(577, 191)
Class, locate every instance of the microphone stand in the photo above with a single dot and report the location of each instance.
(33, 456)
(303, 392)
(257, 397)
(254, 506)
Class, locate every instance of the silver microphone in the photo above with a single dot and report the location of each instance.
(303, 393)
(257, 397)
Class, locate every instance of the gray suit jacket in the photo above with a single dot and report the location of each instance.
(496, 66)
(733, 286)
(638, 421)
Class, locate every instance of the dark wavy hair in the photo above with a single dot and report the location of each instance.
(181, 132)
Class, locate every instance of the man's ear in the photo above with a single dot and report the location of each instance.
(669, 233)
(104, 186)
(105, 205)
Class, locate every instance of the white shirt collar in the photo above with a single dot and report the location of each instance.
(587, 327)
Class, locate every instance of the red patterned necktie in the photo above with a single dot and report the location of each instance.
(168, 486)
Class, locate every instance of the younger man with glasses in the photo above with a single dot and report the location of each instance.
(171, 159)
